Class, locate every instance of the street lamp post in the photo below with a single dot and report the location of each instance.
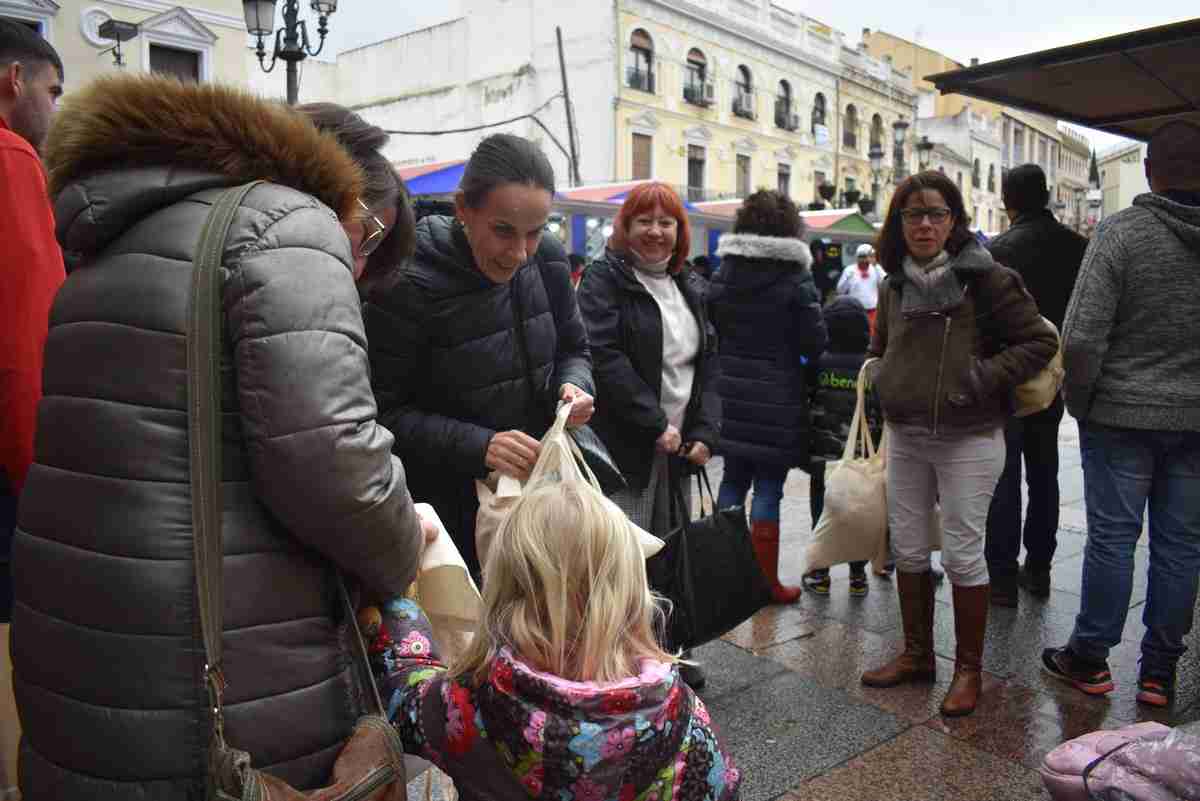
(875, 156)
(899, 134)
(924, 153)
(291, 40)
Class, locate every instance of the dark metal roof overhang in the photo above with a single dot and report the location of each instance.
(1128, 85)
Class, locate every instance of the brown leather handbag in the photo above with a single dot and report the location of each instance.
(371, 765)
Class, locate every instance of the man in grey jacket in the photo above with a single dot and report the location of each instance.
(1132, 354)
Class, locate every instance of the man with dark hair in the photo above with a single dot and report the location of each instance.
(1131, 349)
(31, 270)
(1047, 254)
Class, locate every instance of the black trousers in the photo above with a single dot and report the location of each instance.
(1036, 439)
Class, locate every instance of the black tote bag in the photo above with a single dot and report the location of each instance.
(708, 570)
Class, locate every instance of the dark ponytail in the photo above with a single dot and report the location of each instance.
(504, 159)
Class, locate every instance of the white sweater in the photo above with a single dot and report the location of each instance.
(681, 343)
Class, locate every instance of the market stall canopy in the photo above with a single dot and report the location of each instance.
(841, 221)
(1128, 85)
(441, 178)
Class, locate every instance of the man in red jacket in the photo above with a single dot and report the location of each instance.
(31, 264)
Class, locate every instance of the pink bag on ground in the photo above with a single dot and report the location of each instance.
(1142, 762)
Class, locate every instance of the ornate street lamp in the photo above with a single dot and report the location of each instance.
(117, 31)
(899, 135)
(291, 41)
(924, 153)
(875, 156)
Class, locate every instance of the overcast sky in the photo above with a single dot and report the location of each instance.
(987, 29)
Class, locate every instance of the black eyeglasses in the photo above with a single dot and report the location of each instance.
(936, 214)
(371, 241)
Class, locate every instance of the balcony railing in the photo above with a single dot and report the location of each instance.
(784, 118)
(743, 104)
(698, 94)
(639, 79)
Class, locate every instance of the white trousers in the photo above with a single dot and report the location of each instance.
(958, 471)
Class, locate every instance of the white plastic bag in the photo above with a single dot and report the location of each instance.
(559, 460)
(853, 525)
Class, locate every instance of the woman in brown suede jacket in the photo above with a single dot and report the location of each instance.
(956, 332)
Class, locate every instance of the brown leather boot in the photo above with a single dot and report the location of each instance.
(917, 663)
(764, 535)
(970, 625)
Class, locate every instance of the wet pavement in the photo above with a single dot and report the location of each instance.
(784, 687)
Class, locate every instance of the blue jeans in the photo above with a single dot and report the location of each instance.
(768, 484)
(1123, 470)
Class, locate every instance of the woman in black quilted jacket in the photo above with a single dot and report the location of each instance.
(476, 338)
(765, 308)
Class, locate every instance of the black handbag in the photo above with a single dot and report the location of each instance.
(708, 571)
(598, 459)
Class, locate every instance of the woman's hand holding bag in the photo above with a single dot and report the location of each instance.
(559, 459)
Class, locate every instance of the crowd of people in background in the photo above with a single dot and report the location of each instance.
(372, 359)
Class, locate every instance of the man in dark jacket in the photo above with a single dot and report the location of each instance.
(1047, 254)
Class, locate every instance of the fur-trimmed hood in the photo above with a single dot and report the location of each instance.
(130, 144)
(767, 248)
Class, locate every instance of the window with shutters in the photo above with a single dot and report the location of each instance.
(743, 175)
(639, 74)
(643, 149)
(183, 64)
(695, 172)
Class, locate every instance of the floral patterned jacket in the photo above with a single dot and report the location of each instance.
(526, 734)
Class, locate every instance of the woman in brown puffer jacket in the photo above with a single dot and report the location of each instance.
(956, 333)
(108, 665)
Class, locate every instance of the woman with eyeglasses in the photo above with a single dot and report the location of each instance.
(103, 555)
(956, 333)
(382, 232)
(476, 339)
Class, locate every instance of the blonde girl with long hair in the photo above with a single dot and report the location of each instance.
(564, 692)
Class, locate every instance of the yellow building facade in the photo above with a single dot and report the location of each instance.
(197, 39)
(721, 106)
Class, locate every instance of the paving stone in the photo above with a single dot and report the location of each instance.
(924, 764)
(789, 728)
(837, 656)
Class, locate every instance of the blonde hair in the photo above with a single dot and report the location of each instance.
(564, 588)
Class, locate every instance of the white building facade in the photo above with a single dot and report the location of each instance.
(1122, 177)
(971, 140)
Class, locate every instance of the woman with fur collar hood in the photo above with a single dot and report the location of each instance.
(107, 655)
(768, 317)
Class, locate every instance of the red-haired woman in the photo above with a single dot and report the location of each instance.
(654, 356)
(653, 353)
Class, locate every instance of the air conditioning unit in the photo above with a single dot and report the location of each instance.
(794, 122)
(709, 96)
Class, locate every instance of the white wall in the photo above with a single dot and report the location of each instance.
(499, 61)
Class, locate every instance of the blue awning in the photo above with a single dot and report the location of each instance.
(439, 182)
